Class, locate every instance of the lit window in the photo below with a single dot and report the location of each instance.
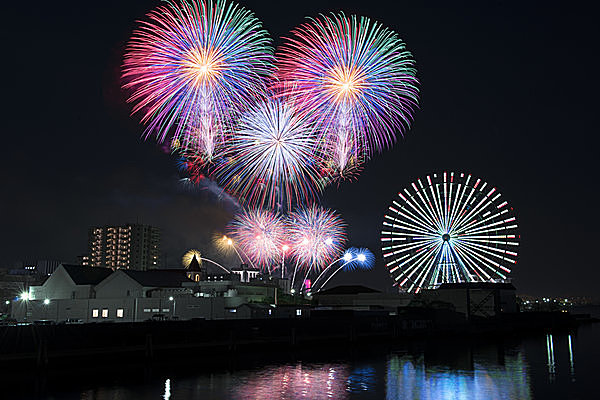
(95, 313)
(165, 310)
(155, 310)
(147, 310)
(105, 313)
(298, 312)
(119, 313)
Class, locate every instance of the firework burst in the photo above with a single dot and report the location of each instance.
(356, 78)
(189, 256)
(274, 159)
(191, 66)
(260, 234)
(359, 258)
(316, 235)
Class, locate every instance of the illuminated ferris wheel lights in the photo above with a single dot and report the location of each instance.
(448, 229)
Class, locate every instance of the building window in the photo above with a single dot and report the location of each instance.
(155, 310)
(119, 313)
(146, 310)
(105, 313)
(197, 278)
(298, 312)
(95, 313)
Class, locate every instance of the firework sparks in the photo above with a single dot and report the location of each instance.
(316, 235)
(358, 258)
(191, 66)
(189, 256)
(358, 80)
(273, 159)
(260, 234)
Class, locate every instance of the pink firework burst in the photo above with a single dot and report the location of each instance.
(260, 234)
(316, 236)
(358, 81)
(191, 66)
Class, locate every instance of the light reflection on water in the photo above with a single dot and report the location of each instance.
(408, 378)
(539, 367)
(397, 377)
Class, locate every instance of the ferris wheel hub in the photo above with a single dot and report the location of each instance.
(446, 237)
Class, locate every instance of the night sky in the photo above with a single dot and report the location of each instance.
(509, 93)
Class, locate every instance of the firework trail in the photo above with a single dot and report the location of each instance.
(357, 80)
(353, 258)
(273, 159)
(191, 66)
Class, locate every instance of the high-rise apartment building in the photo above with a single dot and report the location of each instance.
(132, 246)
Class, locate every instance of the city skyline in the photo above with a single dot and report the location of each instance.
(491, 106)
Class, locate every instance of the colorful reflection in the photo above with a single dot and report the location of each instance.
(410, 378)
(318, 381)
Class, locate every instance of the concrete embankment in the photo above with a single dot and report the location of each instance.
(53, 345)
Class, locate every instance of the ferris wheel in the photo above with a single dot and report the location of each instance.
(449, 228)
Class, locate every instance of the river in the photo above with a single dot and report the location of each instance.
(538, 366)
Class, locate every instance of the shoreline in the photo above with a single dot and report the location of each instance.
(55, 346)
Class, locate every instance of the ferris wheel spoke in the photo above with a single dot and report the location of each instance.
(406, 274)
(430, 269)
(489, 241)
(427, 263)
(463, 209)
(469, 266)
(414, 236)
(437, 207)
(406, 258)
(472, 212)
(469, 262)
(492, 242)
(451, 200)
(445, 202)
(474, 223)
(485, 201)
(461, 267)
(411, 256)
(439, 200)
(492, 251)
(429, 205)
(488, 263)
(406, 226)
(427, 213)
(500, 225)
(456, 208)
(416, 207)
(432, 217)
(402, 211)
(452, 228)
(401, 248)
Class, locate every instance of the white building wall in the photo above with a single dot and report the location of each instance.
(119, 285)
(60, 286)
(119, 310)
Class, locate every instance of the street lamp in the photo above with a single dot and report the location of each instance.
(46, 302)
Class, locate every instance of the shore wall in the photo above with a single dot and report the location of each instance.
(44, 345)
